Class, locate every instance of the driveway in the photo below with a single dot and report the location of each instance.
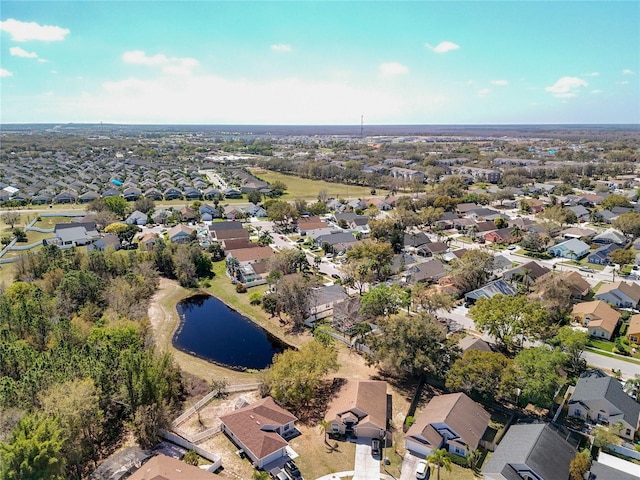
(367, 467)
(409, 464)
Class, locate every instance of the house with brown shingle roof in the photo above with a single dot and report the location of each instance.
(162, 467)
(620, 294)
(259, 430)
(633, 332)
(360, 409)
(453, 422)
(247, 256)
(599, 317)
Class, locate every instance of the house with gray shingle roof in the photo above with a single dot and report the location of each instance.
(601, 398)
(491, 289)
(530, 451)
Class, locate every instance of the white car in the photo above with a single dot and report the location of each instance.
(422, 470)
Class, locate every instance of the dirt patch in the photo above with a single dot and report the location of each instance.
(208, 416)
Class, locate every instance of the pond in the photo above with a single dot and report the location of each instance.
(211, 330)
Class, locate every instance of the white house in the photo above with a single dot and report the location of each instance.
(620, 294)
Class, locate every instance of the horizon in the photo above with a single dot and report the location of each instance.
(320, 63)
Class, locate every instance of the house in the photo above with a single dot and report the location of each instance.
(247, 256)
(137, 218)
(610, 236)
(500, 263)
(433, 248)
(131, 194)
(180, 234)
(497, 287)
(633, 332)
(305, 224)
(187, 214)
(346, 314)
(76, 234)
(89, 196)
(321, 301)
(600, 471)
(255, 211)
(600, 256)
(598, 317)
(620, 294)
(232, 193)
(579, 286)
(336, 239)
(67, 196)
(148, 241)
(430, 271)
(473, 343)
(406, 174)
(228, 230)
(361, 409)
(582, 213)
(108, 241)
(573, 249)
(152, 193)
(530, 451)
(502, 235)
(162, 467)
(600, 398)
(453, 422)
(260, 430)
(526, 273)
(575, 232)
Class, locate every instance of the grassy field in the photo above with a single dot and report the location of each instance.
(308, 189)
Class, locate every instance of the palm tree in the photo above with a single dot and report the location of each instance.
(440, 458)
(516, 232)
(473, 457)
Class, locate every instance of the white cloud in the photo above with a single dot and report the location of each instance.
(499, 83)
(443, 47)
(5, 73)
(392, 69)
(281, 47)
(592, 74)
(566, 87)
(171, 65)
(21, 52)
(483, 92)
(596, 92)
(54, 72)
(26, 31)
(626, 71)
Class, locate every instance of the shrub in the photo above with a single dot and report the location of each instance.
(458, 460)
(241, 288)
(409, 421)
(255, 298)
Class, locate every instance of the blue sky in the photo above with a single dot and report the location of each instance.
(270, 62)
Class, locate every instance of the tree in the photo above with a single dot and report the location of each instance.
(477, 371)
(500, 222)
(580, 465)
(623, 256)
(472, 270)
(278, 188)
(124, 231)
(148, 421)
(295, 376)
(265, 238)
(430, 300)
(534, 372)
(294, 297)
(10, 218)
(216, 251)
(118, 205)
(558, 214)
(254, 196)
(555, 292)
(603, 436)
(144, 205)
(615, 200)
(376, 255)
(288, 261)
(281, 213)
(440, 459)
(21, 235)
(383, 300)
(412, 344)
(628, 223)
(34, 450)
(75, 405)
(509, 319)
(573, 343)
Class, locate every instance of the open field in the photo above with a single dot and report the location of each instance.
(308, 189)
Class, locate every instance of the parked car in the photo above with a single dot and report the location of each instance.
(335, 275)
(279, 474)
(375, 447)
(512, 247)
(292, 469)
(422, 470)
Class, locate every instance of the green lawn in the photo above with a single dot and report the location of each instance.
(222, 288)
(308, 189)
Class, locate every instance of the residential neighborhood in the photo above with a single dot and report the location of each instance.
(466, 319)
